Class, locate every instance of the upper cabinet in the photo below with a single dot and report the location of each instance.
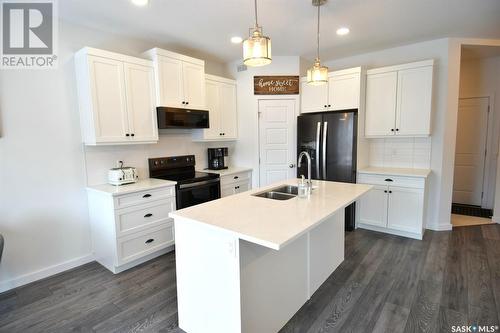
(181, 79)
(399, 100)
(221, 104)
(116, 98)
(340, 93)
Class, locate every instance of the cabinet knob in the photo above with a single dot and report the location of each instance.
(187, 103)
(326, 106)
(151, 240)
(390, 192)
(397, 129)
(236, 177)
(132, 134)
(183, 102)
(329, 105)
(392, 129)
(127, 134)
(385, 191)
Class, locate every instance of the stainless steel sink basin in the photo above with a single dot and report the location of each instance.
(279, 193)
(288, 189)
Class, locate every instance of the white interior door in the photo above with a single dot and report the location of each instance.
(277, 147)
(470, 151)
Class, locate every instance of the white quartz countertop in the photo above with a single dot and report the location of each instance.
(406, 172)
(273, 223)
(228, 171)
(140, 185)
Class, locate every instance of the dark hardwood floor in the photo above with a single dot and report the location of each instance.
(386, 284)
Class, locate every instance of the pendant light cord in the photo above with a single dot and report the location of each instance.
(318, 33)
(256, 24)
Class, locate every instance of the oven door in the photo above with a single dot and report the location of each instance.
(197, 193)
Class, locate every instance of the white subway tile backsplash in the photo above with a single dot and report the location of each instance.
(401, 153)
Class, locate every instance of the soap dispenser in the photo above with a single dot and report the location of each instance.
(303, 188)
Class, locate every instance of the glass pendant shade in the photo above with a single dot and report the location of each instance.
(257, 49)
(317, 74)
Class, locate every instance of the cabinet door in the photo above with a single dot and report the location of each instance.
(194, 85)
(227, 104)
(406, 207)
(313, 98)
(373, 207)
(108, 100)
(141, 110)
(170, 81)
(343, 92)
(381, 104)
(413, 112)
(212, 91)
(227, 191)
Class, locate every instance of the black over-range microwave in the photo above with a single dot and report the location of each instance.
(181, 118)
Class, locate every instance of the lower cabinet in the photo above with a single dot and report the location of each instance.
(132, 228)
(395, 205)
(235, 183)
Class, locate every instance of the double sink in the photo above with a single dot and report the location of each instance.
(279, 193)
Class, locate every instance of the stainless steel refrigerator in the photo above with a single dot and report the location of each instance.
(330, 138)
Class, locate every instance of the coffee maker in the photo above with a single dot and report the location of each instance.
(217, 158)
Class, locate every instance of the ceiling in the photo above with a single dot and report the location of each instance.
(207, 25)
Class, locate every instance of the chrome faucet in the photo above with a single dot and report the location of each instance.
(309, 181)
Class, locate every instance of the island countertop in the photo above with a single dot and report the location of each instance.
(273, 223)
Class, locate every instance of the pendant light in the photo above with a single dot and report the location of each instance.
(317, 74)
(257, 47)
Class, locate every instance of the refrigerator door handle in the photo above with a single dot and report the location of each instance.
(318, 136)
(325, 134)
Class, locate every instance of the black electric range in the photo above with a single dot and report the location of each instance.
(193, 187)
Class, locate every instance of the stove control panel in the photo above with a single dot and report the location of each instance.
(160, 163)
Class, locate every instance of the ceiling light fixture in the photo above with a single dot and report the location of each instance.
(257, 47)
(342, 31)
(140, 3)
(236, 40)
(317, 74)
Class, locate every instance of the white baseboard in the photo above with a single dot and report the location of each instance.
(495, 219)
(440, 227)
(43, 273)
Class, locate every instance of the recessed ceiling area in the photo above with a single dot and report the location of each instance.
(470, 52)
(207, 26)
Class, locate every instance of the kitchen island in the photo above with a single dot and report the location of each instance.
(247, 263)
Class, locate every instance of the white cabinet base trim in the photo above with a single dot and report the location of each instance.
(391, 231)
(139, 261)
(440, 227)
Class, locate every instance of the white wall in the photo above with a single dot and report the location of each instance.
(43, 208)
(247, 146)
(481, 78)
(439, 51)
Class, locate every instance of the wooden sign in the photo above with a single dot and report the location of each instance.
(275, 85)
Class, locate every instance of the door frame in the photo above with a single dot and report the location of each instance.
(294, 129)
(489, 168)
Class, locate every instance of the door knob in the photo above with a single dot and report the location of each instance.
(291, 166)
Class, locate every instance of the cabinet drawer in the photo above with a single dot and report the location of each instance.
(135, 246)
(144, 197)
(234, 178)
(136, 218)
(412, 182)
(235, 188)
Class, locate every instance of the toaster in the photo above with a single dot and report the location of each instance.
(122, 175)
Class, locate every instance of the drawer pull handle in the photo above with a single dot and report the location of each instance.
(146, 195)
(236, 177)
(151, 240)
(388, 180)
(148, 215)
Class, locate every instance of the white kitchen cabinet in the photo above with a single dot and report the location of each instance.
(373, 207)
(129, 228)
(235, 183)
(222, 108)
(395, 205)
(116, 98)
(342, 92)
(181, 79)
(399, 100)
